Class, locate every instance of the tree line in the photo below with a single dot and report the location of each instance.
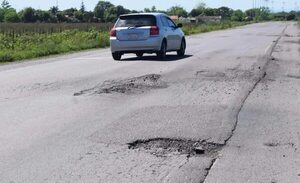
(105, 11)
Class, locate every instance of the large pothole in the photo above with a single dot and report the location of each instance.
(166, 146)
(127, 86)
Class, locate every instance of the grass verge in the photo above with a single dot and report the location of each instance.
(190, 29)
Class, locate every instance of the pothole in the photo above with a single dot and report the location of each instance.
(127, 86)
(165, 146)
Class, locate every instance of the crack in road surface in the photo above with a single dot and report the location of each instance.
(134, 85)
(262, 75)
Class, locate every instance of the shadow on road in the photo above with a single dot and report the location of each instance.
(169, 58)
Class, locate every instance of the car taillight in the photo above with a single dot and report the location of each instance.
(154, 31)
(113, 33)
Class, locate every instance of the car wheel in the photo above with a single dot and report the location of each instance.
(117, 56)
(139, 54)
(181, 52)
(163, 51)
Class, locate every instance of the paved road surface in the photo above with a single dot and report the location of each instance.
(227, 112)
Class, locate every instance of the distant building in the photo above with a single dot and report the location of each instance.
(198, 19)
(209, 18)
(183, 19)
(174, 17)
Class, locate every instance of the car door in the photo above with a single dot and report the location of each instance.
(167, 31)
(175, 35)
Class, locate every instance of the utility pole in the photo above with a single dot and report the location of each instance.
(296, 6)
(272, 6)
(283, 6)
(267, 3)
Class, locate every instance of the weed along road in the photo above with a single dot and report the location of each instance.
(226, 112)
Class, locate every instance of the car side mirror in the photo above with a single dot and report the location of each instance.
(179, 25)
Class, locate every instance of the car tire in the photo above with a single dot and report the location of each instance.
(139, 54)
(181, 52)
(116, 55)
(163, 51)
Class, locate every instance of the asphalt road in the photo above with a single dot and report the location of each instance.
(227, 112)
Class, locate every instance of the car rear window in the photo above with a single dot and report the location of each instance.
(136, 21)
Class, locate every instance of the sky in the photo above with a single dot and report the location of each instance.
(160, 4)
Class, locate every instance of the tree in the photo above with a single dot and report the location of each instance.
(153, 9)
(61, 17)
(177, 10)
(120, 10)
(2, 15)
(201, 7)
(11, 16)
(110, 14)
(88, 16)
(69, 12)
(209, 12)
(291, 16)
(42, 16)
(238, 15)
(100, 9)
(251, 13)
(5, 5)
(54, 10)
(194, 13)
(264, 14)
(28, 15)
(147, 10)
(224, 12)
(79, 15)
(198, 10)
(82, 7)
(133, 11)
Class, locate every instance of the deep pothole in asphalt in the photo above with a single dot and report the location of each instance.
(127, 86)
(165, 146)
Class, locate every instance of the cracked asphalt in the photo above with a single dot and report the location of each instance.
(227, 112)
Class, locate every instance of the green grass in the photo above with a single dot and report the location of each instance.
(29, 46)
(28, 41)
(190, 29)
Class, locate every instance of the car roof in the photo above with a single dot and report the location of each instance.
(154, 14)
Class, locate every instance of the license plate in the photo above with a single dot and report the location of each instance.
(133, 36)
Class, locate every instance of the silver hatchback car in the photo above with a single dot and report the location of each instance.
(146, 33)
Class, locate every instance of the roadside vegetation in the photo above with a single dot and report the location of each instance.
(34, 45)
(32, 33)
(190, 29)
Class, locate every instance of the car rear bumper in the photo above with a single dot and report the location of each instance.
(152, 44)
